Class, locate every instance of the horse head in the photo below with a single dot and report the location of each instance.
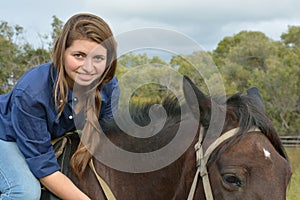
(250, 161)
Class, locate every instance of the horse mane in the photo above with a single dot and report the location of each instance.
(250, 114)
(245, 108)
(242, 107)
(139, 113)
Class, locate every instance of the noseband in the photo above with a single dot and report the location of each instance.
(202, 159)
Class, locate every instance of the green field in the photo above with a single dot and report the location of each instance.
(293, 192)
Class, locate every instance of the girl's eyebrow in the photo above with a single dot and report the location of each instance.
(78, 52)
(93, 54)
(99, 54)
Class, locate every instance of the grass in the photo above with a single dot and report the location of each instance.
(293, 192)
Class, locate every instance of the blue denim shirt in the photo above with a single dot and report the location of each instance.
(29, 118)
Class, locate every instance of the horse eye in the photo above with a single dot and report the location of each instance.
(232, 180)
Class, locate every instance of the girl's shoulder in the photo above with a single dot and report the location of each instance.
(111, 84)
(37, 79)
(39, 76)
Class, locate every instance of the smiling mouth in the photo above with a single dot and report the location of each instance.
(85, 77)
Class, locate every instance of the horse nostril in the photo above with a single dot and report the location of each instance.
(232, 180)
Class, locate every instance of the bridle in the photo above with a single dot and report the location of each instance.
(202, 159)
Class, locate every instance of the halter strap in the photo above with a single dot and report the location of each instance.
(201, 161)
(107, 191)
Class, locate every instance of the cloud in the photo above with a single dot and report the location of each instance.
(272, 28)
(205, 21)
(178, 11)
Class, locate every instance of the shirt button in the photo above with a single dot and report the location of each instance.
(75, 99)
(70, 117)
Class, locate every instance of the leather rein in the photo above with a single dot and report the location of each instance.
(202, 159)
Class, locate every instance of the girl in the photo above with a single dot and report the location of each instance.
(43, 104)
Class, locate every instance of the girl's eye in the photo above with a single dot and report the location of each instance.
(99, 58)
(77, 55)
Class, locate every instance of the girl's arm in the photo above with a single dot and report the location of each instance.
(62, 186)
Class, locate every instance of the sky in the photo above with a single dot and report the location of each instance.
(205, 22)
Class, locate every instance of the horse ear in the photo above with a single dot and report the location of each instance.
(254, 94)
(198, 102)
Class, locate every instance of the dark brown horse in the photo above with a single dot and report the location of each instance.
(252, 164)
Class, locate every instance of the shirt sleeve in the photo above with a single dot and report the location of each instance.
(110, 94)
(32, 135)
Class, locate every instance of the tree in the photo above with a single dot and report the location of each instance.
(133, 60)
(57, 26)
(17, 56)
(223, 49)
(195, 66)
(252, 59)
(292, 37)
(279, 89)
(7, 56)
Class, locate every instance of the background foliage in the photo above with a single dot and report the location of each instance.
(245, 59)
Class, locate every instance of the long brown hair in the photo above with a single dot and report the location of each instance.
(90, 27)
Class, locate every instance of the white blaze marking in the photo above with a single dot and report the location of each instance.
(267, 153)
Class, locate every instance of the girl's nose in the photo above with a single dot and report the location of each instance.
(88, 65)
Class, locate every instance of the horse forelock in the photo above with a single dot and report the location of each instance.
(249, 115)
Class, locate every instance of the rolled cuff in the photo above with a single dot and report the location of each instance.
(43, 165)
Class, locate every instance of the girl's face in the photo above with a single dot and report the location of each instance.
(85, 61)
